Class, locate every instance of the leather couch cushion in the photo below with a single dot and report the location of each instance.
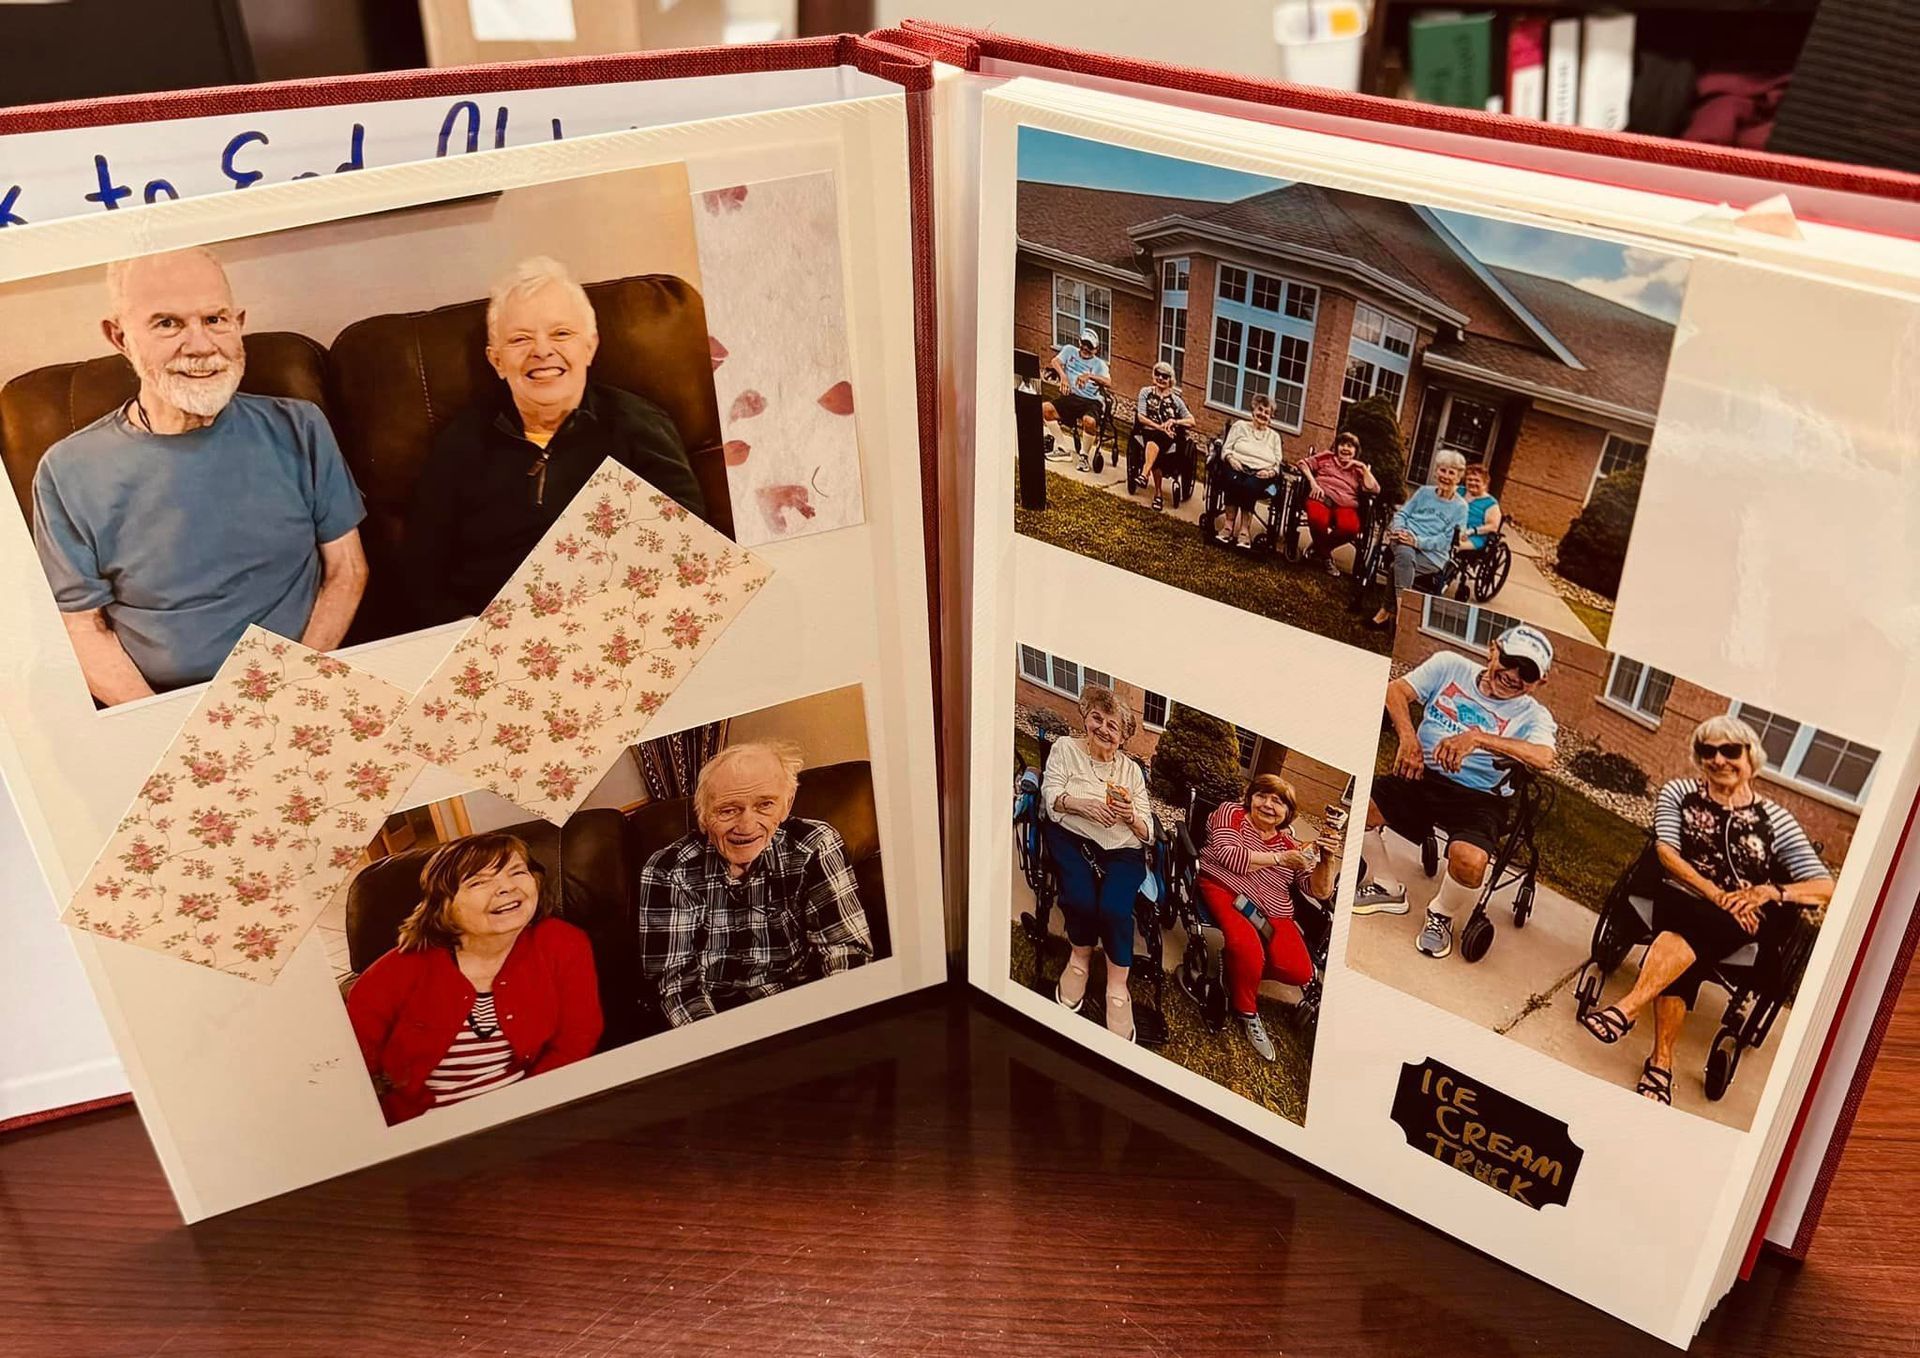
(39, 408)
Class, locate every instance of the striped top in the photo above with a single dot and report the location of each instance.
(479, 1061)
(1734, 846)
(1230, 838)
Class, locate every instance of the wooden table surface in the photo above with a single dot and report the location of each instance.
(931, 1178)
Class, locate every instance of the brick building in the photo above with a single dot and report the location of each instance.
(1317, 298)
(1648, 715)
(1054, 683)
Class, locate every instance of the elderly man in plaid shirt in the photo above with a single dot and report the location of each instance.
(753, 901)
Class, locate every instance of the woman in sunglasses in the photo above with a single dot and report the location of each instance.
(1738, 867)
(1163, 421)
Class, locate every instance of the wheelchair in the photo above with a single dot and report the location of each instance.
(1201, 975)
(1176, 463)
(1476, 574)
(1760, 977)
(1150, 909)
(1515, 862)
(1279, 510)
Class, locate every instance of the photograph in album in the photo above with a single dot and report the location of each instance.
(1598, 859)
(476, 947)
(349, 431)
(1174, 876)
(1297, 399)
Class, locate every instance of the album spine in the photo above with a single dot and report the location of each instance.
(1563, 72)
(1527, 67)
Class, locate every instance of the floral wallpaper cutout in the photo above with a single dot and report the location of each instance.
(257, 813)
(770, 256)
(572, 659)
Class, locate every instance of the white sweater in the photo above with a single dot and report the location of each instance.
(1252, 450)
(1070, 770)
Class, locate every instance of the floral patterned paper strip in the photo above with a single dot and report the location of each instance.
(569, 663)
(770, 253)
(256, 814)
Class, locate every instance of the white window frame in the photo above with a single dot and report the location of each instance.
(1631, 707)
(1376, 355)
(1086, 290)
(1605, 444)
(1174, 317)
(1275, 321)
(1475, 614)
(1787, 771)
(1166, 709)
(1046, 665)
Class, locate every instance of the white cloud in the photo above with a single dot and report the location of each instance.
(1653, 282)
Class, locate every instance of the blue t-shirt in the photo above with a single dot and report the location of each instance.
(185, 539)
(1431, 519)
(1447, 685)
(1477, 515)
(1081, 372)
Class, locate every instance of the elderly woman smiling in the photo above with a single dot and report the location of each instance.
(484, 988)
(1095, 799)
(1737, 867)
(1250, 868)
(1421, 534)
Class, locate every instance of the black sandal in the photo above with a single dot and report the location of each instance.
(1656, 1083)
(1159, 503)
(1607, 1025)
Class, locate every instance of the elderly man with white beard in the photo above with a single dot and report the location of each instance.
(754, 901)
(170, 524)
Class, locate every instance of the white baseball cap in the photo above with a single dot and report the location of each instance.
(1530, 643)
(1088, 337)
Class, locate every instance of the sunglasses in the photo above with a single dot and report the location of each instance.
(1704, 750)
(1519, 664)
(1163, 377)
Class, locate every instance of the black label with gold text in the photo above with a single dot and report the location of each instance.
(1514, 1149)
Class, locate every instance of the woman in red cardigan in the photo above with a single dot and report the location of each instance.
(484, 988)
(1250, 868)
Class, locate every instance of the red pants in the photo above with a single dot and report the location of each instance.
(1331, 524)
(1248, 961)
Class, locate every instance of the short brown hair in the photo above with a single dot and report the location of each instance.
(1100, 698)
(1273, 782)
(1348, 436)
(440, 878)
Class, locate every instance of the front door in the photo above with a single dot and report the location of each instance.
(1465, 426)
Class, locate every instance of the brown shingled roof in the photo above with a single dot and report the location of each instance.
(1625, 351)
(1089, 223)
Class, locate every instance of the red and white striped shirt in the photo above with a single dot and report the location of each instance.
(1230, 838)
(479, 1061)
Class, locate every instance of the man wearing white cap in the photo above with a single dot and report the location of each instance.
(1444, 773)
(1084, 383)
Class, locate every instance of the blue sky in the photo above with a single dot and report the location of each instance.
(1646, 279)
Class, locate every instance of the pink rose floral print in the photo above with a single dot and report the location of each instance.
(572, 659)
(257, 813)
(770, 252)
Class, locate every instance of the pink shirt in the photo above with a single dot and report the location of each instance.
(1230, 838)
(1341, 482)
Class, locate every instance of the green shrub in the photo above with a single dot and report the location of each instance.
(1049, 723)
(1372, 422)
(1595, 548)
(1609, 771)
(1196, 753)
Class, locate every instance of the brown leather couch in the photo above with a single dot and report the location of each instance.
(389, 384)
(594, 862)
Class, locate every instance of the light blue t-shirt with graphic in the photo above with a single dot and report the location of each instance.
(1081, 372)
(184, 539)
(1447, 685)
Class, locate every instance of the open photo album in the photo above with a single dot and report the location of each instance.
(1392, 626)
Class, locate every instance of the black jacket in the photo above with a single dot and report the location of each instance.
(487, 494)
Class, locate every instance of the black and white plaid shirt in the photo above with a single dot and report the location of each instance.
(710, 941)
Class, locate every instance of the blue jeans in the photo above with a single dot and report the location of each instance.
(1103, 915)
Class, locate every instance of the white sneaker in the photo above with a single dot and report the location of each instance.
(1436, 939)
(1257, 1035)
(1380, 897)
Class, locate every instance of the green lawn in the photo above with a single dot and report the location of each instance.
(1583, 846)
(1598, 621)
(1095, 524)
(1224, 1057)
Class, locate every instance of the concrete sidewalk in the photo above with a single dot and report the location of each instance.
(1523, 988)
(1527, 593)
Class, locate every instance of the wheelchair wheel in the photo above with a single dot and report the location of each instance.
(1306, 1014)
(1587, 986)
(1035, 924)
(1722, 1061)
(1523, 904)
(1487, 581)
(1476, 936)
(1430, 856)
